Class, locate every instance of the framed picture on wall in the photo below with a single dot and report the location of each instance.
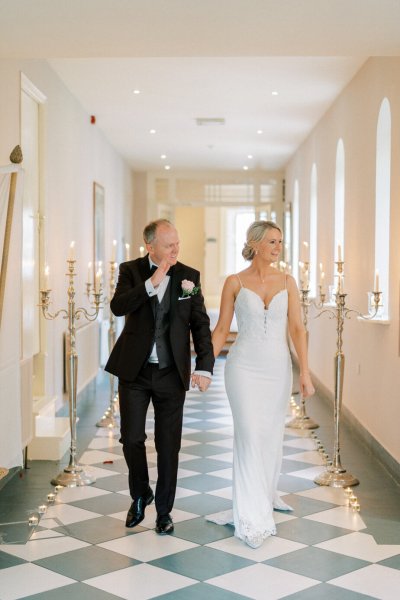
(98, 225)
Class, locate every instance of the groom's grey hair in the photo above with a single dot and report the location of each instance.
(150, 231)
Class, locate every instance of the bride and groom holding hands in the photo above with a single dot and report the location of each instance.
(162, 302)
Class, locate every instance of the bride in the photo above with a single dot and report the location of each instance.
(258, 378)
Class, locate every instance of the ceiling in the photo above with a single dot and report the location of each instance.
(213, 59)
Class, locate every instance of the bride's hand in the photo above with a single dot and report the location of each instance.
(306, 386)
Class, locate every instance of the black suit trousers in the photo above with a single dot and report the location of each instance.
(165, 389)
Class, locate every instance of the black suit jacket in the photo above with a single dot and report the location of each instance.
(135, 343)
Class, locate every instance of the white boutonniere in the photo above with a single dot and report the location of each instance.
(188, 289)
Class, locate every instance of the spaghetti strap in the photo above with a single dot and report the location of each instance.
(240, 281)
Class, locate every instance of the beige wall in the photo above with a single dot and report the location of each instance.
(189, 221)
(140, 215)
(213, 271)
(372, 375)
(74, 154)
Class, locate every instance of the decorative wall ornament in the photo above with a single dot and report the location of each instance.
(8, 186)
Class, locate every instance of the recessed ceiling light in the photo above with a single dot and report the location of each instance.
(136, 92)
(167, 167)
(274, 93)
(245, 168)
(250, 156)
(259, 131)
(163, 156)
(152, 130)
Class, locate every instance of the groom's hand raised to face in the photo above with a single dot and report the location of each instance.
(161, 272)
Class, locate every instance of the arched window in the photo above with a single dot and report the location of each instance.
(382, 202)
(295, 231)
(313, 231)
(339, 200)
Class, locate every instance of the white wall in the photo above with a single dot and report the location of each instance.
(372, 374)
(74, 155)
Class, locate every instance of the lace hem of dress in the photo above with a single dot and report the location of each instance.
(247, 532)
(253, 537)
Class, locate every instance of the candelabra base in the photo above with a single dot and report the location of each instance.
(107, 420)
(336, 478)
(73, 477)
(293, 406)
(302, 423)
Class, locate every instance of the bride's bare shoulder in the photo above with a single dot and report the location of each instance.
(231, 279)
(291, 284)
(232, 282)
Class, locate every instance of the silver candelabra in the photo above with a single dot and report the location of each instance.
(109, 417)
(74, 474)
(335, 475)
(301, 419)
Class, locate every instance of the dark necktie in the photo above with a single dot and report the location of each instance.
(154, 268)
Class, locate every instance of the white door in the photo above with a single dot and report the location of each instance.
(31, 380)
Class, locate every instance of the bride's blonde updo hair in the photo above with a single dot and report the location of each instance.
(254, 234)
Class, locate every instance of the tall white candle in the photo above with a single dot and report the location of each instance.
(97, 282)
(89, 273)
(339, 253)
(46, 277)
(127, 257)
(305, 252)
(376, 288)
(114, 250)
(71, 255)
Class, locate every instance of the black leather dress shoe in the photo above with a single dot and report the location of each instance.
(164, 525)
(136, 512)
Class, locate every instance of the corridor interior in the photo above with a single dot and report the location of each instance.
(81, 548)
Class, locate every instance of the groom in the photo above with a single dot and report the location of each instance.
(162, 301)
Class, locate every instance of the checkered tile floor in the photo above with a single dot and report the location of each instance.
(323, 550)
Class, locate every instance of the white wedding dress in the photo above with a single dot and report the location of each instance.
(258, 380)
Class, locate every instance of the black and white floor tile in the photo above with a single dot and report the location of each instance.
(323, 550)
